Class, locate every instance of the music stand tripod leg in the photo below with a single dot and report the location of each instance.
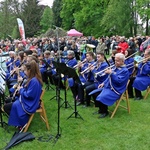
(75, 111)
(1, 117)
(67, 105)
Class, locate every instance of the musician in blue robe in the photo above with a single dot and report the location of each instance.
(92, 85)
(113, 86)
(142, 79)
(29, 99)
(129, 61)
(85, 76)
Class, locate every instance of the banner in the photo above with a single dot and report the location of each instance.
(21, 28)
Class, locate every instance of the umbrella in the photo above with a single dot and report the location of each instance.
(74, 32)
(19, 137)
(95, 91)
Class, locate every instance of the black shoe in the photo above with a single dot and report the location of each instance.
(131, 96)
(79, 103)
(103, 115)
(97, 112)
(138, 98)
(84, 106)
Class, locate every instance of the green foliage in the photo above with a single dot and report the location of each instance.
(31, 17)
(117, 18)
(57, 6)
(47, 19)
(123, 132)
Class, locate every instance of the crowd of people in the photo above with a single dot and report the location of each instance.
(31, 63)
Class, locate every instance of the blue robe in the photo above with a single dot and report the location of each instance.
(142, 80)
(84, 77)
(71, 63)
(129, 62)
(114, 86)
(26, 104)
(102, 77)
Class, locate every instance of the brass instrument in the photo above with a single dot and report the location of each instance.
(142, 60)
(77, 65)
(87, 69)
(96, 74)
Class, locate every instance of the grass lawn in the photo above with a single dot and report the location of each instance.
(123, 132)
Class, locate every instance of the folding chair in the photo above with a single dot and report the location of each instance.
(125, 97)
(147, 92)
(42, 112)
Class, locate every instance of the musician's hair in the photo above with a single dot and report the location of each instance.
(91, 54)
(47, 52)
(100, 53)
(130, 52)
(32, 57)
(121, 56)
(21, 54)
(28, 52)
(70, 52)
(34, 71)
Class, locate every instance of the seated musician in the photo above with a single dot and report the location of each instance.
(90, 86)
(46, 62)
(84, 77)
(28, 101)
(142, 79)
(113, 86)
(70, 62)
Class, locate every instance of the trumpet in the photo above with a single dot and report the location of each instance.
(82, 62)
(143, 60)
(87, 69)
(96, 74)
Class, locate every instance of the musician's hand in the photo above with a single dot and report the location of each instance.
(20, 79)
(19, 87)
(108, 71)
(101, 85)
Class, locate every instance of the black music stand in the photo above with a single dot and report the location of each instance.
(56, 65)
(63, 70)
(47, 66)
(2, 97)
(72, 74)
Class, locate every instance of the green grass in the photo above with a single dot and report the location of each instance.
(123, 132)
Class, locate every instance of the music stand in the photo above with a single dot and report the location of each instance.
(47, 66)
(72, 74)
(56, 65)
(63, 70)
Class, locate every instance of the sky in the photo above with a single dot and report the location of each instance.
(43, 2)
(46, 2)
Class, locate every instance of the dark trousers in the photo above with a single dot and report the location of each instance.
(89, 88)
(130, 89)
(102, 107)
(7, 108)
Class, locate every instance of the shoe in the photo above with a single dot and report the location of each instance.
(103, 115)
(84, 106)
(138, 98)
(79, 103)
(97, 112)
(131, 96)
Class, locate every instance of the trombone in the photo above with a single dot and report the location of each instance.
(87, 69)
(96, 74)
(81, 62)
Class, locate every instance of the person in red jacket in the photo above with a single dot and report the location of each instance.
(122, 46)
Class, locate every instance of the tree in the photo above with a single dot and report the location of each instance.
(57, 6)
(7, 19)
(31, 16)
(143, 9)
(46, 19)
(118, 18)
(88, 18)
